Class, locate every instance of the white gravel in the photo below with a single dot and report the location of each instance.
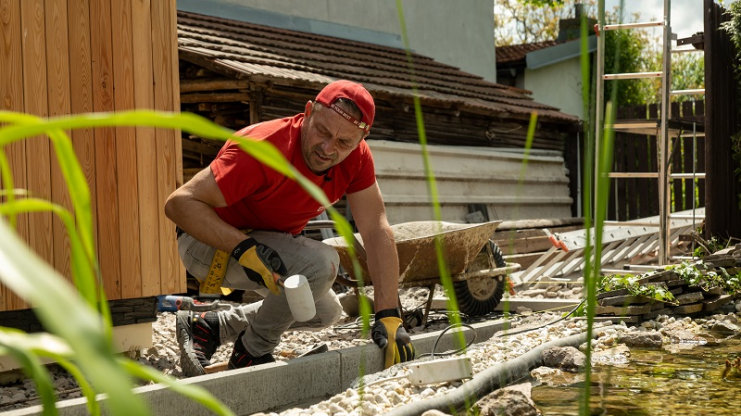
(377, 398)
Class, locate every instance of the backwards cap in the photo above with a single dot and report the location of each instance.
(354, 92)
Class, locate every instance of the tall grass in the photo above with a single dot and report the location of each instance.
(596, 187)
(81, 339)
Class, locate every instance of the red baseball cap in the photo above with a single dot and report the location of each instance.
(354, 92)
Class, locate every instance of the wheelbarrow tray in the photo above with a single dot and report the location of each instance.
(415, 243)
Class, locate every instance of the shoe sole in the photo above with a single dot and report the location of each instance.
(188, 361)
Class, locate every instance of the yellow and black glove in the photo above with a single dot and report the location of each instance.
(387, 326)
(260, 262)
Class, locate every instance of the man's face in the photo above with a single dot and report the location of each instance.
(327, 138)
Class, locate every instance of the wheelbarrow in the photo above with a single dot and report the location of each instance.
(474, 262)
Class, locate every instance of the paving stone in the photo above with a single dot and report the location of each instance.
(687, 309)
(691, 297)
(623, 310)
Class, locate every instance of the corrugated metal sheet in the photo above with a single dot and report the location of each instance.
(246, 50)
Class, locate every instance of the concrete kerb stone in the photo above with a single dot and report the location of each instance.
(282, 384)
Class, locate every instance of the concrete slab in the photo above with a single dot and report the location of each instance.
(283, 384)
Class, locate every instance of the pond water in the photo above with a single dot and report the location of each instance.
(656, 382)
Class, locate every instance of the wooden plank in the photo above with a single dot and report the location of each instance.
(623, 160)
(642, 196)
(37, 148)
(128, 192)
(175, 79)
(106, 171)
(11, 98)
(58, 80)
(195, 85)
(723, 216)
(163, 47)
(80, 61)
(146, 163)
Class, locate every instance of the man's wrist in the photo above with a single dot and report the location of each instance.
(243, 246)
(385, 313)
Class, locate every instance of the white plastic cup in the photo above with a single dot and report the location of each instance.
(300, 299)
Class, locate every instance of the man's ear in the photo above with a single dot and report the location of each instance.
(308, 108)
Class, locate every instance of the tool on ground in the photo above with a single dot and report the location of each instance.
(174, 303)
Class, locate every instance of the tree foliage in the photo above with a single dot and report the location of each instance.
(526, 21)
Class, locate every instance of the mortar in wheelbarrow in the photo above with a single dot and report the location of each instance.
(415, 242)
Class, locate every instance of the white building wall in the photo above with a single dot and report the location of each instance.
(558, 85)
(470, 175)
(458, 33)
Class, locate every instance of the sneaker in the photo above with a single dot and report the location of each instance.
(198, 337)
(241, 358)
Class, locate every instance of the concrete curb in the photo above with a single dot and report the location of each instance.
(278, 385)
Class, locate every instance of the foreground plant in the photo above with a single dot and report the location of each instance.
(84, 348)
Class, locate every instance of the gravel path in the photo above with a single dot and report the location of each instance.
(164, 355)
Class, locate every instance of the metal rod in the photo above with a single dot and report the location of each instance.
(663, 145)
(696, 91)
(632, 25)
(652, 175)
(633, 75)
(599, 103)
(693, 175)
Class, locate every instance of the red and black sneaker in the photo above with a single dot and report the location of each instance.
(198, 337)
(241, 358)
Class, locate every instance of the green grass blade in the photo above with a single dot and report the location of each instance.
(7, 184)
(20, 346)
(80, 264)
(445, 277)
(79, 325)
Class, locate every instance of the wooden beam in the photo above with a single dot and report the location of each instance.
(199, 97)
(198, 85)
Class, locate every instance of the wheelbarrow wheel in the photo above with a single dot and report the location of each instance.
(480, 296)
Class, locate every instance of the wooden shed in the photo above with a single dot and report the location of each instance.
(238, 73)
(62, 57)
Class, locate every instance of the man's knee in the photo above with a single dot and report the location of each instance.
(326, 263)
(329, 312)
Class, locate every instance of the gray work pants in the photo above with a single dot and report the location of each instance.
(265, 322)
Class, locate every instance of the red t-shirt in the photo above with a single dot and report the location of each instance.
(259, 198)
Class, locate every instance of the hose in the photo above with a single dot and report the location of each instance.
(488, 380)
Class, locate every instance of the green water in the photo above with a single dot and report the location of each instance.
(656, 382)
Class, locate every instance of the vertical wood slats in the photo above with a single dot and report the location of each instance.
(76, 56)
(722, 214)
(127, 184)
(141, 24)
(106, 170)
(11, 98)
(636, 198)
(58, 95)
(38, 173)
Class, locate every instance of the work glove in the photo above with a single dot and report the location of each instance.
(260, 263)
(387, 326)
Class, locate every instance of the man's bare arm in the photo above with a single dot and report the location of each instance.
(383, 260)
(191, 208)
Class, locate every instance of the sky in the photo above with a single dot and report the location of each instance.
(686, 15)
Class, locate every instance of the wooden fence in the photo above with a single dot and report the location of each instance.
(634, 198)
(73, 56)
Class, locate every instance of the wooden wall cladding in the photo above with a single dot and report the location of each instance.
(74, 56)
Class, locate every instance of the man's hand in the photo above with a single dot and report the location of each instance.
(261, 263)
(387, 326)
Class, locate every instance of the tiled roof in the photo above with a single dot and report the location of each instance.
(246, 50)
(513, 53)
